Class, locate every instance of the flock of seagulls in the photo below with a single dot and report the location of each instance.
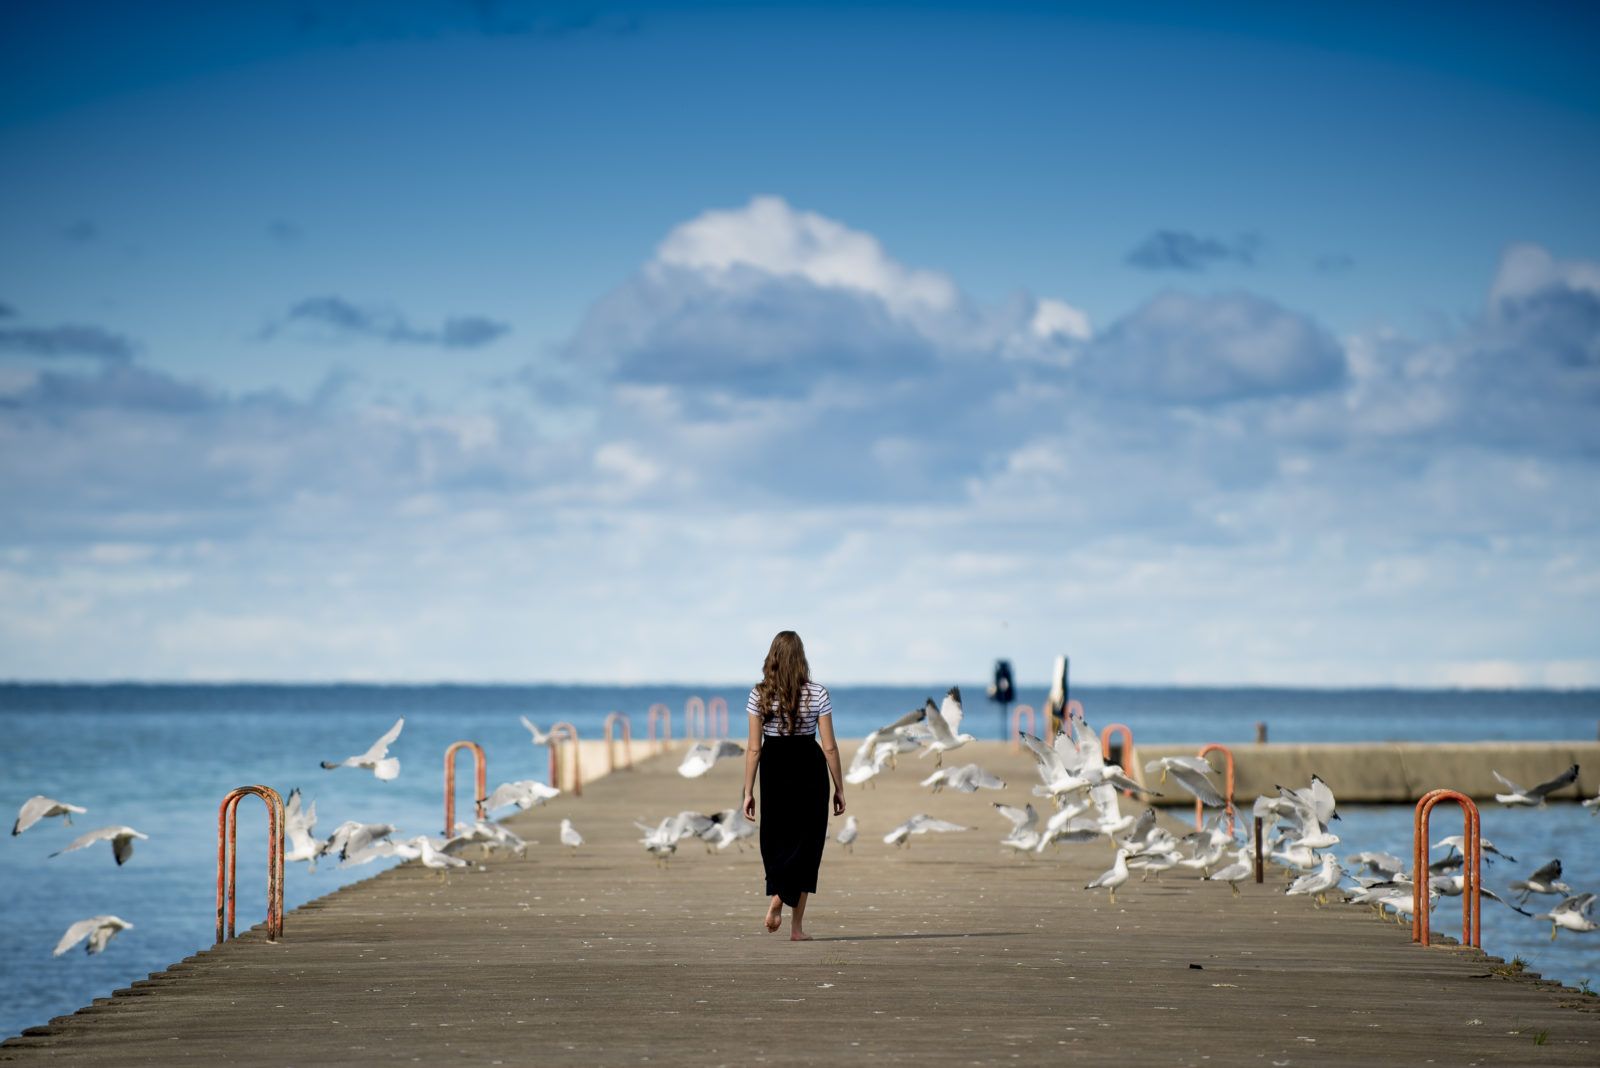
(95, 931)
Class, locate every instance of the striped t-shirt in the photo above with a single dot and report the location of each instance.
(814, 704)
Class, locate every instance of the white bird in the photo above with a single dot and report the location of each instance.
(539, 737)
(1024, 834)
(1572, 913)
(39, 807)
(945, 733)
(484, 833)
(966, 779)
(99, 930)
(1382, 865)
(919, 824)
(570, 836)
(729, 828)
(433, 857)
(354, 842)
(121, 839)
(1242, 868)
(1318, 883)
(524, 793)
(376, 758)
(1536, 795)
(1115, 877)
(848, 833)
(880, 747)
(1457, 843)
(661, 841)
(1592, 804)
(297, 825)
(702, 755)
(1191, 773)
(1545, 880)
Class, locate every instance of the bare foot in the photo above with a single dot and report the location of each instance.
(775, 917)
(799, 936)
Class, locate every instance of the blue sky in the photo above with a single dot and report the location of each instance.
(500, 341)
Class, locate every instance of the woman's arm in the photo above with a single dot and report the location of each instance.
(752, 758)
(830, 750)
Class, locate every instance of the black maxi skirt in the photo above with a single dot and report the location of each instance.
(794, 814)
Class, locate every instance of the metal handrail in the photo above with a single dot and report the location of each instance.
(228, 861)
(1105, 745)
(1471, 869)
(627, 741)
(558, 736)
(1016, 725)
(717, 716)
(480, 767)
(1227, 793)
(664, 714)
(694, 718)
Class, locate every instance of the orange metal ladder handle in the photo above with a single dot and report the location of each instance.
(559, 735)
(480, 766)
(227, 859)
(1105, 744)
(694, 718)
(717, 714)
(627, 741)
(664, 714)
(1016, 724)
(1471, 868)
(1227, 795)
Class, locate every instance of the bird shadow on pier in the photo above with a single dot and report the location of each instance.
(898, 937)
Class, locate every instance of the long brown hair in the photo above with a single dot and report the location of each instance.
(783, 679)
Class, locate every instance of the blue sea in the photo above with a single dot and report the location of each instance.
(160, 757)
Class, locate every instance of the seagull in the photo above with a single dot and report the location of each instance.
(99, 930)
(1592, 804)
(1572, 913)
(353, 842)
(1191, 773)
(879, 748)
(524, 793)
(1023, 835)
(121, 839)
(1546, 880)
(1535, 796)
(702, 755)
(966, 779)
(1242, 868)
(919, 824)
(39, 807)
(661, 841)
(1456, 843)
(539, 737)
(1113, 878)
(729, 827)
(1456, 885)
(376, 758)
(297, 825)
(1318, 883)
(945, 723)
(1384, 865)
(432, 857)
(570, 836)
(484, 833)
(847, 834)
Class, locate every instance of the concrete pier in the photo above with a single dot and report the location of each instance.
(948, 952)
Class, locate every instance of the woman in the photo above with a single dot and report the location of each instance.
(789, 714)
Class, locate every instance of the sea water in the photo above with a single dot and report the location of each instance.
(159, 758)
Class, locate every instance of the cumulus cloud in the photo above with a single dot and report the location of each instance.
(65, 340)
(339, 318)
(1180, 250)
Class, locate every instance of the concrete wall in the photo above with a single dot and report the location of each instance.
(1391, 772)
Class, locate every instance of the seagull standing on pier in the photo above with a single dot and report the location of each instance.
(848, 833)
(1242, 868)
(99, 930)
(1110, 880)
(570, 836)
(39, 807)
(376, 758)
(121, 839)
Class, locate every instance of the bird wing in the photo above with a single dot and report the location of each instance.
(985, 779)
(863, 758)
(1566, 778)
(1579, 903)
(697, 761)
(1507, 783)
(1051, 766)
(941, 729)
(1322, 801)
(728, 748)
(950, 710)
(77, 933)
(916, 715)
(929, 824)
(122, 848)
(1113, 775)
(1196, 783)
(1547, 874)
(31, 812)
(380, 748)
(539, 736)
(1021, 819)
(87, 839)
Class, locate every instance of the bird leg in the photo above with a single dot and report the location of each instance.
(1235, 888)
(1113, 894)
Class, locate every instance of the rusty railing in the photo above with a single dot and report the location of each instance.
(664, 715)
(717, 717)
(480, 776)
(228, 860)
(560, 734)
(1227, 792)
(1016, 725)
(1105, 745)
(1471, 869)
(694, 718)
(611, 742)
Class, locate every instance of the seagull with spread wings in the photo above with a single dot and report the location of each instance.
(121, 839)
(919, 824)
(1572, 913)
(945, 721)
(1191, 773)
(39, 807)
(377, 758)
(1535, 796)
(99, 930)
(703, 755)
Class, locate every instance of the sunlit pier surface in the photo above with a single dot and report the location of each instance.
(951, 951)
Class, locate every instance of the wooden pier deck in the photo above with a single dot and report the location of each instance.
(948, 952)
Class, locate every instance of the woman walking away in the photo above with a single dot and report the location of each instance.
(789, 715)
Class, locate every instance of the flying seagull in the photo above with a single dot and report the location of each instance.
(1191, 773)
(39, 807)
(702, 755)
(1572, 913)
(1537, 795)
(918, 824)
(945, 722)
(99, 930)
(376, 758)
(525, 794)
(966, 779)
(121, 839)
